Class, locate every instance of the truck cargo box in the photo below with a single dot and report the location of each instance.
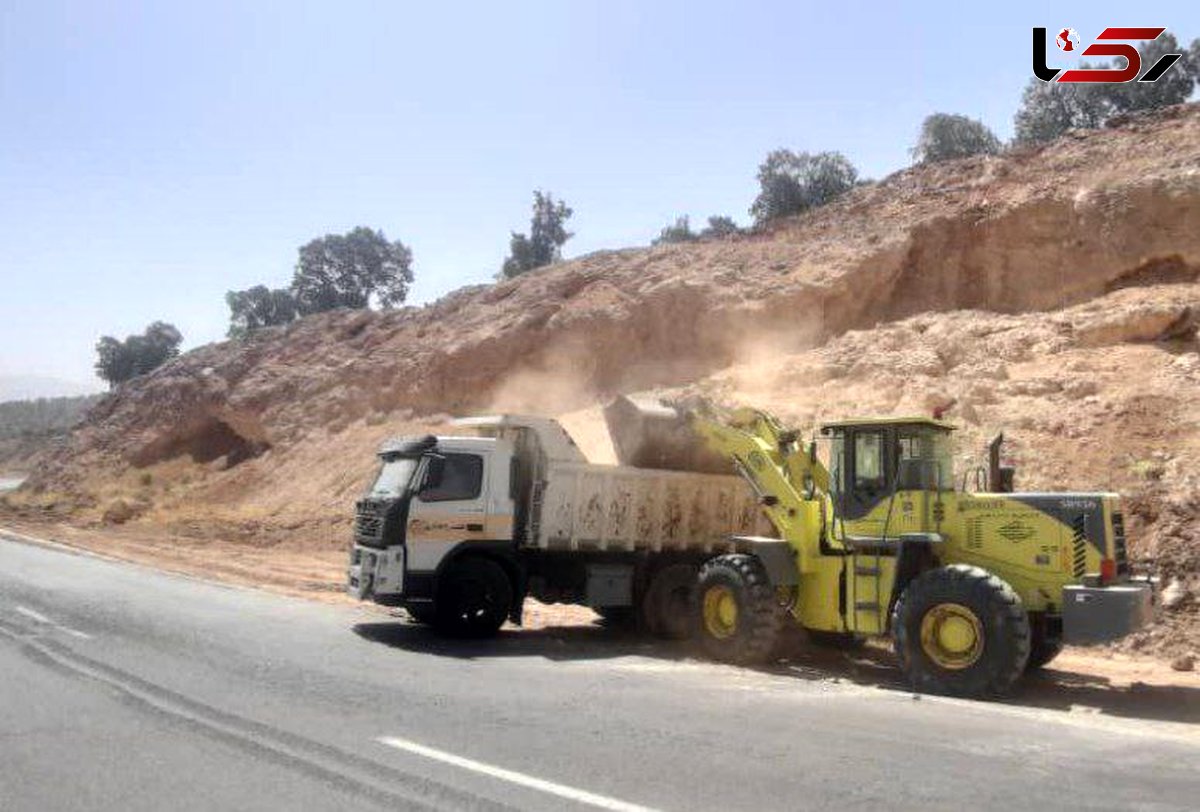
(614, 507)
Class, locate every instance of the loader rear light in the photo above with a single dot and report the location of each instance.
(1108, 571)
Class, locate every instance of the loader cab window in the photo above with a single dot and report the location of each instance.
(926, 459)
(870, 474)
(460, 479)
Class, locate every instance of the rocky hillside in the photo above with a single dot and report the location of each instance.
(1050, 291)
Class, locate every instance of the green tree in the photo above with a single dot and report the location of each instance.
(720, 226)
(547, 234)
(259, 307)
(791, 182)
(1049, 109)
(351, 269)
(1173, 87)
(120, 361)
(679, 231)
(945, 136)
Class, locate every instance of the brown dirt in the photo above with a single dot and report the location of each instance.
(1051, 292)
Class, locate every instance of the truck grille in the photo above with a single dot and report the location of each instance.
(1120, 555)
(368, 524)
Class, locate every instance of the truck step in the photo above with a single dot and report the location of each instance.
(866, 571)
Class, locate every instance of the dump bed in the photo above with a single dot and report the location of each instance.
(566, 503)
(613, 507)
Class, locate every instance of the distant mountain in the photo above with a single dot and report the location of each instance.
(31, 387)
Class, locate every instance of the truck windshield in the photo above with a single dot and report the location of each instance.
(394, 476)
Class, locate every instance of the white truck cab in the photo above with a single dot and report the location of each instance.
(431, 495)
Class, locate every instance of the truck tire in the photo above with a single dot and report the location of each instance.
(423, 613)
(961, 631)
(738, 618)
(617, 617)
(667, 607)
(473, 598)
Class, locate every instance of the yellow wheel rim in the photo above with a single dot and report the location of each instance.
(720, 612)
(952, 636)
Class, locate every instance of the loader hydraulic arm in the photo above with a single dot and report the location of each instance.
(784, 475)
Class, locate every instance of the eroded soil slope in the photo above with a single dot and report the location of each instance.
(1051, 292)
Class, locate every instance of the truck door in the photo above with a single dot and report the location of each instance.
(448, 509)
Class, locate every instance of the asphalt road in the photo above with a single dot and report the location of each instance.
(125, 688)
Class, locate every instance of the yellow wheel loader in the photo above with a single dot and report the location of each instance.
(973, 588)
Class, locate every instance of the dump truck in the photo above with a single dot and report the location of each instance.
(458, 530)
(728, 527)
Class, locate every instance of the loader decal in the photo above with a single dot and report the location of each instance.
(1015, 531)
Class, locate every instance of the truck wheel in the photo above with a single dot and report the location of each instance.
(473, 598)
(667, 607)
(422, 613)
(1042, 649)
(617, 617)
(961, 631)
(738, 618)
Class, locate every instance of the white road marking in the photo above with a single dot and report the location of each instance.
(29, 613)
(40, 618)
(570, 793)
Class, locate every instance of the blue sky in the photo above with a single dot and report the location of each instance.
(155, 155)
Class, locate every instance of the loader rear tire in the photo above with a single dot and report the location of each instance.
(473, 598)
(738, 615)
(961, 631)
(667, 608)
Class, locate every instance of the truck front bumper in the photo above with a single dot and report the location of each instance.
(1101, 614)
(374, 574)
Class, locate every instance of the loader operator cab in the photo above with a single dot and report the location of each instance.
(874, 464)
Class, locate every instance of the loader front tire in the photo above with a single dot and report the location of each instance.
(1043, 646)
(738, 615)
(961, 631)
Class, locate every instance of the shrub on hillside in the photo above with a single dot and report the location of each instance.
(791, 182)
(258, 307)
(679, 231)
(547, 234)
(945, 136)
(119, 361)
(719, 226)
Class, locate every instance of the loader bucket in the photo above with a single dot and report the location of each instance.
(647, 433)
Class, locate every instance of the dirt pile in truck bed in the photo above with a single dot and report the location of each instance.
(1050, 291)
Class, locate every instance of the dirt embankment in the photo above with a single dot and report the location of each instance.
(1051, 292)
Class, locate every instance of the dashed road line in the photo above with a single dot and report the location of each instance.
(514, 777)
